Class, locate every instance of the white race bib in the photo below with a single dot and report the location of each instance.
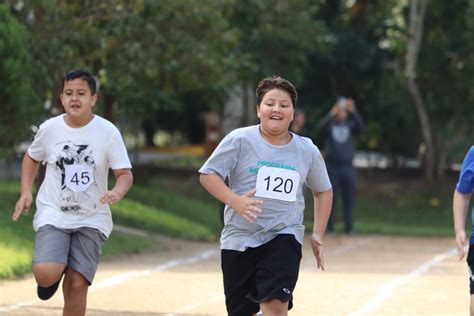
(277, 183)
(79, 177)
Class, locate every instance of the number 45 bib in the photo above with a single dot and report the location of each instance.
(79, 177)
(277, 183)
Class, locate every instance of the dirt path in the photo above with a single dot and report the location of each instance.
(366, 275)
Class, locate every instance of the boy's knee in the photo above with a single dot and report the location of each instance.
(46, 274)
(75, 286)
(274, 307)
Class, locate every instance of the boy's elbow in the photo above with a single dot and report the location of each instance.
(202, 179)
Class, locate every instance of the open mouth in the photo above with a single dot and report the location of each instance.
(275, 118)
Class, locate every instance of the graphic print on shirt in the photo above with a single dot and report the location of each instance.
(340, 133)
(77, 166)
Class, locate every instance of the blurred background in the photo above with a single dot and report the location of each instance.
(177, 75)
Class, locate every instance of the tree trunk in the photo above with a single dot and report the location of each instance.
(239, 110)
(251, 103)
(109, 107)
(425, 127)
(417, 14)
(233, 112)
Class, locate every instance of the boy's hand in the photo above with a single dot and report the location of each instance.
(246, 206)
(317, 245)
(23, 205)
(461, 243)
(110, 197)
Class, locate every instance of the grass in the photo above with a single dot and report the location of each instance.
(178, 206)
(153, 209)
(399, 206)
(184, 198)
(139, 215)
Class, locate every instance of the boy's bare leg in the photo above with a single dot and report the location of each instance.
(75, 288)
(274, 307)
(46, 274)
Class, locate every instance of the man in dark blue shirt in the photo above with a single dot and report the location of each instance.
(338, 128)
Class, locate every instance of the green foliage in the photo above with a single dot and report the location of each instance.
(354, 64)
(168, 61)
(445, 74)
(275, 38)
(16, 94)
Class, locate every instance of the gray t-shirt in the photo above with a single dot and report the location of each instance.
(240, 156)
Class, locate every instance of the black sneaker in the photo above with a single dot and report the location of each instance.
(46, 293)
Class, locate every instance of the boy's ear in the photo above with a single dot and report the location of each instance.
(258, 111)
(94, 99)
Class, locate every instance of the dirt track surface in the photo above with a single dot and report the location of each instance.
(365, 275)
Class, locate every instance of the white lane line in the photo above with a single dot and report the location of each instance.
(112, 281)
(210, 301)
(388, 289)
(115, 280)
(13, 307)
(131, 231)
(343, 249)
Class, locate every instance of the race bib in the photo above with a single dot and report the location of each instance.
(79, 177)
(277, 183)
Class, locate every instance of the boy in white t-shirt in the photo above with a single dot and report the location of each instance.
(73, 218)
(262, 237)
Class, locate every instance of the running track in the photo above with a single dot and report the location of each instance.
(365, 275)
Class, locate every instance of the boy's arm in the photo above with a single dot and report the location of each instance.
(460, 207)
(123, 183)
(29, 170)
(242, 204)
(322, 210)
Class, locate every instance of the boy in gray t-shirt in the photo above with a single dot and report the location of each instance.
(262, 237)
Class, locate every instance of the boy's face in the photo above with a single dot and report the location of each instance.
(77, 99)
(275, 111)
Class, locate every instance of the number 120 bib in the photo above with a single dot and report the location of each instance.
(277, 183)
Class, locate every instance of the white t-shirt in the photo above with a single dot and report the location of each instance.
(278, 173)
(77, 166)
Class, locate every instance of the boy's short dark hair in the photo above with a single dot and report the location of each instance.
(81, 74)
(276, 82)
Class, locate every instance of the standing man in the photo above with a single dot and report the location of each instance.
(338, 128)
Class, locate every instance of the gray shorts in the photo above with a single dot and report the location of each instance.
(78, 248)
